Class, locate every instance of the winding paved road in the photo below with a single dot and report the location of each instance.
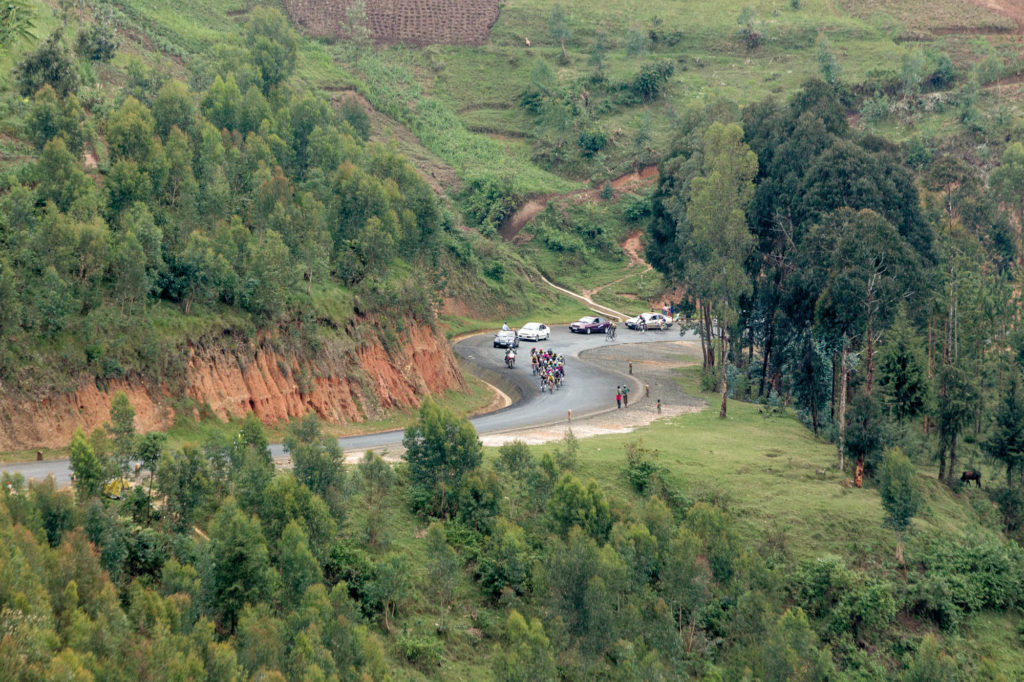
(588, 389)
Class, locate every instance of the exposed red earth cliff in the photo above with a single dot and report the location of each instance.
(342, 384)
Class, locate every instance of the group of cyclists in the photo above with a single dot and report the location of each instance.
(549, 366)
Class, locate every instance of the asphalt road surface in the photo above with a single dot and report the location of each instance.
(587, 389)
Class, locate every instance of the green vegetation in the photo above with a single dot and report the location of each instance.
(838, 201)
(217, 206)
(564, 560)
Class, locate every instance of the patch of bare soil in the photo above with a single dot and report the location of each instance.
(415, 22)
(632, 248)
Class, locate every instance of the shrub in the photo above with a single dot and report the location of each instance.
(505, 561)
(709, 380)
(931, 597)
(641, 469)
(591, 142)
(898, 488)
(820, 583)
(357, 117)
(422, 652)
(488, 200)
(567, 453)
(943, 75)
(636, 209)
(653, 76)
(959, 578)
(495, 270)
(97, 42)
(515, 458)
(562, 242)
(50, 63)
(1011, 506)
(864, 611)
(876, 109)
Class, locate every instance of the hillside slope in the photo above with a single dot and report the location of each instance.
(340, 382)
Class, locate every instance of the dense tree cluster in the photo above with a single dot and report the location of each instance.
(247, 194)
(214, 566)
(875, 297)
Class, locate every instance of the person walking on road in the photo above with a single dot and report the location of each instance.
(625, 396)
(618, 396)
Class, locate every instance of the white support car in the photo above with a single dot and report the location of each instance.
(653, 320)
(534, 331)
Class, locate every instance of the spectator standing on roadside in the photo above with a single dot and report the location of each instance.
(618, 396)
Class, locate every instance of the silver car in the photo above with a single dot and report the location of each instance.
(653, 320)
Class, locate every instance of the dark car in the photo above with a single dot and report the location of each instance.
(506, 338)
(590, 325)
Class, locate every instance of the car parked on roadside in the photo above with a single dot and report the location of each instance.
(653, 320)
(506, 338)
(535, 331)
(590, 325)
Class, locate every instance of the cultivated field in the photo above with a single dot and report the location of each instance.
(415, 22)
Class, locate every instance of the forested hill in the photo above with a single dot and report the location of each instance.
(167, 232)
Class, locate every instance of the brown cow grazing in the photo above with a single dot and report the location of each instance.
(971, 475)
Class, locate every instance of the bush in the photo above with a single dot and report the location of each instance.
(738, 382)
(567, 453)
(488, 200)
(514, 458)
(958, 577)
(97, 42)
(356, 116)
(562, 242)
(641, 470)
(422, 652)
(931, 597)
(820, 583)
(505, 561)
(636, 209)
(876, 109)
(1011, 506)
(648, 84)
(709, 380)
(864, 611)
(495, 270)
(592, 141)
(51, 63)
